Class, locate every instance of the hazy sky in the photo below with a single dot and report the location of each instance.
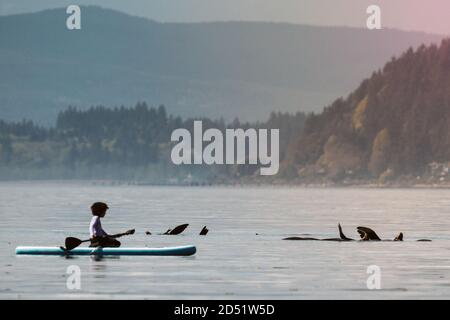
(423, 15)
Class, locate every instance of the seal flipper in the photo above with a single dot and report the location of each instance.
(342, 235)
(363, 235)
(368, 233)
(178, 229)
(204, 231)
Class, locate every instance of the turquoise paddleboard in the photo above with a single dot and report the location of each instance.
(55, 251)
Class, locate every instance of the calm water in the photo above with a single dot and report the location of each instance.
(232, 262)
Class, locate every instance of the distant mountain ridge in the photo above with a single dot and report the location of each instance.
(227, 69)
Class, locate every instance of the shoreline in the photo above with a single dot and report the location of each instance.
(253, 184)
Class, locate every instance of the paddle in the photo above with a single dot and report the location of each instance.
(72, 243)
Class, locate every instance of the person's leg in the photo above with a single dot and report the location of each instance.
(105, 242)
(109, 242)
(95, 242)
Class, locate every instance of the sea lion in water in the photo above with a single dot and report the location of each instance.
(368, 234)
(365, 233)
(341, 234)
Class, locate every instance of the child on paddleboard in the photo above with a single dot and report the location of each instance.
(98, 236)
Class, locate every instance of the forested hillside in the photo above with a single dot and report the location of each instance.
(396, 124)
(130, 144)
(393, 128)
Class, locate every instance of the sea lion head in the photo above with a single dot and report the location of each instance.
(399, 237)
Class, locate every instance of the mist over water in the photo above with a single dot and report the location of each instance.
(243, 256)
